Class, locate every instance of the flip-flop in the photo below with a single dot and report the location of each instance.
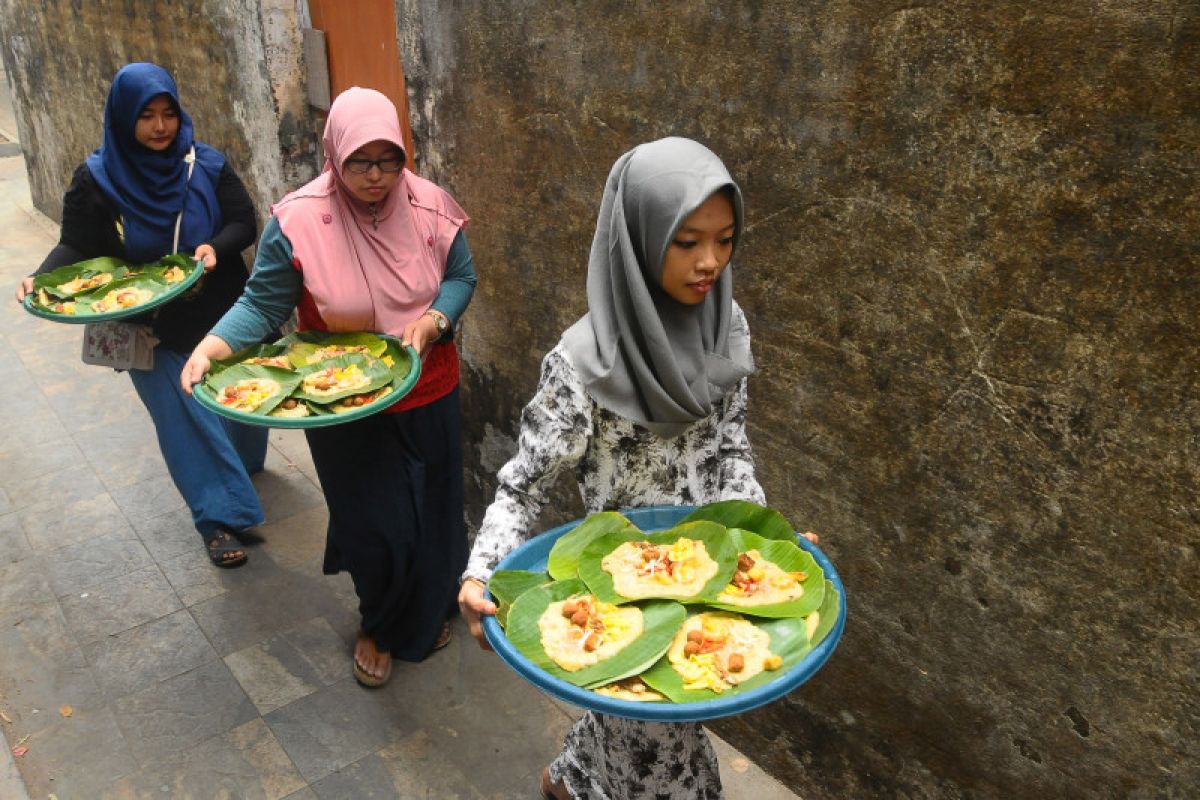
(365, 678)
(225, 543)
(443, 638)
(549, 789)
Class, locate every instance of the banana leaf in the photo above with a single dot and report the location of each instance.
(279, 412)
(159, 269)
(766, 522)
(506, 585)
(303, 345)
(246, 353)
(509, 584)
(789, 557)
(398, 361)
(376, 371)
(717, 543)
(85, 303)
(789, 641)
(286, 379)
(821, 621)
(50, 281)
(661, 619)
(563, 561)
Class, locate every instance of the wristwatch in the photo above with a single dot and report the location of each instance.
(439, 319)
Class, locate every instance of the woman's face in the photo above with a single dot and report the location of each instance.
(700, 250)
(157, 125)
(380, 163)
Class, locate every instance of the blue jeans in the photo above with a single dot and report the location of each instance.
(209, 457)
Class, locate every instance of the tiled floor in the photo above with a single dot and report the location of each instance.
(130, 667)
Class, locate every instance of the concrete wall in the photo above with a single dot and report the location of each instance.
(971, 268)
(237, 64)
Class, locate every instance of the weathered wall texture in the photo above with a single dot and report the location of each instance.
(237, 64)
(971, 269)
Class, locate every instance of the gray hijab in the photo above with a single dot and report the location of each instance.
(640, 353)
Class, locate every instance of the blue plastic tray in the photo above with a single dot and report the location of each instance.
(532, 556)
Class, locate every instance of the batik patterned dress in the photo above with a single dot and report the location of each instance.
(618, 464)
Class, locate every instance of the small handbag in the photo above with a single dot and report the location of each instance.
(120, 345)
(126, 345)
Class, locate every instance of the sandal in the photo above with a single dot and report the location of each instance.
(221, 548)
(443, 638)
(551, 790)
(365, 678)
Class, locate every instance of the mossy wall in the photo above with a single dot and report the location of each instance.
(237, 64)
(971, 268)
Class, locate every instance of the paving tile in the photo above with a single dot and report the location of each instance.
(23, 584)
(88, 518)
(42, 669)
(78, 567)
(169, 535)
(77, 757)
(291, 665)
(153, 652)
(415, 767)
(148, 499)
(38, 427)
(24, 397)
(292, 447)
(195, 579)
(171, 716)
(335, 727)
(122, 455)
(78, 522)
(81, 406)
(56, 488)
(304, 794)
(14, 546)
(298, 538)
(6, 504)
(122, 603)
(284, 495)
(21, 465)
(236, 620)
(245, 762)
(444, 694)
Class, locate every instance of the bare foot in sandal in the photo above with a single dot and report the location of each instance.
(224, 550)
(371, 667)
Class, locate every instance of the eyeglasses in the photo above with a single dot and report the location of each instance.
(360, 166)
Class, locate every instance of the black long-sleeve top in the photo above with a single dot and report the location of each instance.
(90, 230)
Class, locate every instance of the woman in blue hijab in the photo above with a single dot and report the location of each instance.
(149, 177)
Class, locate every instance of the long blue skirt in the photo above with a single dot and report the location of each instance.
(210, 458)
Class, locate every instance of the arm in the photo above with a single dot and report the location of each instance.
(239, 225)
(458, 284)
(88, 229)
(555, 432)
(271, 293)
(274, 289)
(737, 480)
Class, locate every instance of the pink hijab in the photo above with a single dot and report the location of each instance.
(367, 269)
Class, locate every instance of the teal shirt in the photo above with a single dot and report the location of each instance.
(275, 288)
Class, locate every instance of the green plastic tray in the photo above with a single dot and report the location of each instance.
(401, 386)
(108, 316)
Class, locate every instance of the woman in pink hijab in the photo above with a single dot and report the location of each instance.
(369, 246)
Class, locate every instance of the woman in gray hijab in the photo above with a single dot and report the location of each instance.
(644, 398)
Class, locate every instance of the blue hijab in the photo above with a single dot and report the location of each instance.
(149, 188)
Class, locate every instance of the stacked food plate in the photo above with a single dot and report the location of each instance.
(310, 379)
(102, 289)
(668, 613)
